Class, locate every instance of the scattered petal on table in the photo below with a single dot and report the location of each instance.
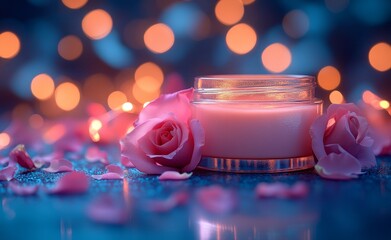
(281, 190)
(59, 165)
(113, 172)
(216, 199)
(7, 173)
(21, 190)
(44, 160)
(20, 156)
(71, 183)
(126, 162)
(172, 175)
(106, 210)
(94, 154)
(165, 205)
(4, 160)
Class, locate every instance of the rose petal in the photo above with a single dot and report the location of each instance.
(177, 103)
(216, 199)
(21, 190)
(7, 173)
(176, 199)
(4, 160)
(20, 156)
(338, 165)
(106, 210)
(199, 141)
(94, 154)
(172, 175)
(114, 173)
(40, 161)
(126, 162)
(281, 190)
(59, 165)
(71, 183)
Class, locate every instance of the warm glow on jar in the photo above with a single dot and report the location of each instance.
(74, 4)
(241, 38)
(380, 57)
(159, 38)
(67, 96)
(42, 86)
(229, 12)
(329, 78)
(116, 99)
(149, 77)
(9, 45)
(276, 58)
(336, 97)
(97, 24)
(70, 47)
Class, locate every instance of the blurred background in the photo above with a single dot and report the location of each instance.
(59, 56)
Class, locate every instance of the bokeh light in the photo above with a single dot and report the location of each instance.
(97, 24)
(127, 107)
(295, 23)
(247, 2)
(329, 78)
(276, 57)
(95, 126)
(116, 99)
(36, 121)
(241, 38)
(336, 97)
(54, 133)
(159, 38)
(42, 86)
(384, 104)
(5, 140)
(70, 47)
(380, 56)
(67, 96)
(74, 4)
(9, 45)
(142, 96)
(149, 77)
(229, 12)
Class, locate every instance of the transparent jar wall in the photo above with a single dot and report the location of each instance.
(258, 123)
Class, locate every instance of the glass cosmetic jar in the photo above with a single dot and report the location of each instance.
(256, 123)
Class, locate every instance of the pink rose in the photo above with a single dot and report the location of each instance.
(165, 137)
(341, 143)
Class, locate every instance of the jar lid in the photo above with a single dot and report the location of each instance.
(254, 88)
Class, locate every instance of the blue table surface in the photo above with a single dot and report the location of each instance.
(355, 209)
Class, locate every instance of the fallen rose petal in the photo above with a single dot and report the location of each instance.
(114, 172)
(126, 162)
(71, 183)
(7, 173)
(41, 161)
(94, 154)
(172, 175)
(106, 210)
(216, 199)
(21, 190)
(4, 160)
(176, 199)
(20, 156)
(281, 190)
(59, 165)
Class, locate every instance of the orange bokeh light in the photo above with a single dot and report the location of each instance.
(5, 140)
(70, 47)
(241, 38)
(42, 86)
(97, 24)
(159, 38)
(336, 97)
(9, 45)
(95, 126)
(116, 99)
(229, 12)
(142, 96)
(380, 56)
(36, 121)
(67, 96)
(74, 4)
(247, 2)
(149, 77)
(384, 104)
(54, 133)
(127, 107)
(329, 78)
(276, 58)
